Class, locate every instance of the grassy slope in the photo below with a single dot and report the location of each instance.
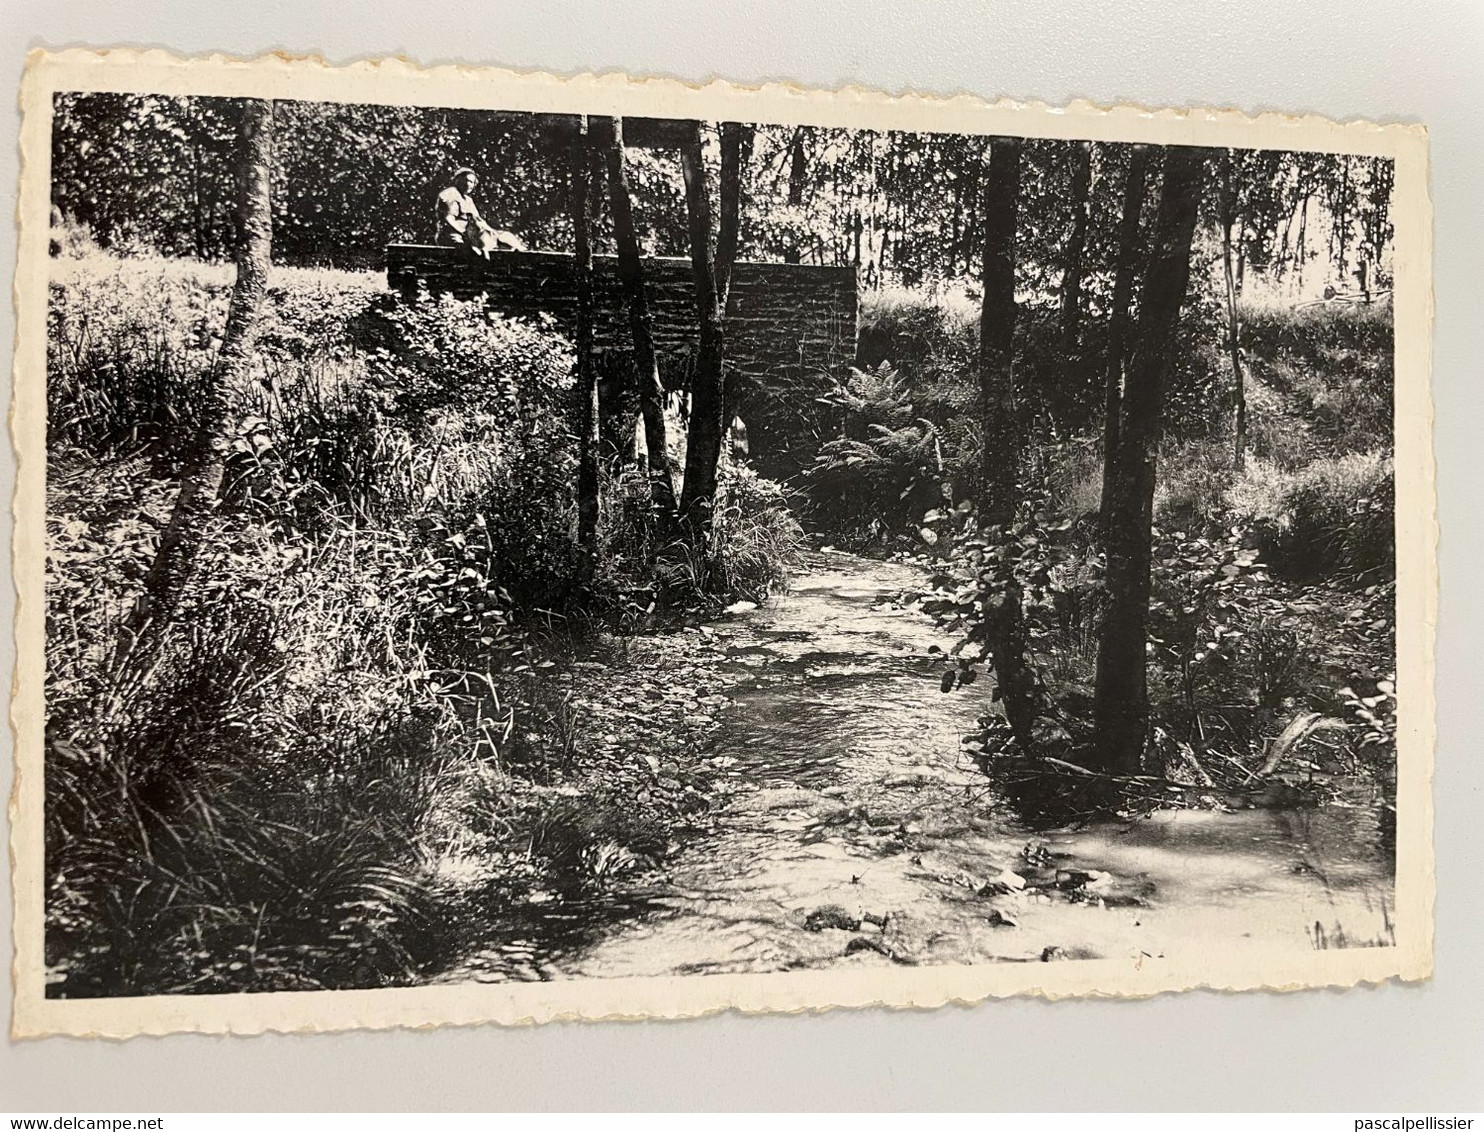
(357, 702)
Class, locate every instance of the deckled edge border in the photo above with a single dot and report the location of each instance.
(672, 998)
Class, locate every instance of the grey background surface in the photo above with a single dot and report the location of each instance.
(1392, 1048)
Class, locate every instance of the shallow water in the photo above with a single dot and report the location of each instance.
(854, 832)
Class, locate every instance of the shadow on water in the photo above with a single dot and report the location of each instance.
(854, 833)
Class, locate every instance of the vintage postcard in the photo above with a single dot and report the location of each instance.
(495, 547)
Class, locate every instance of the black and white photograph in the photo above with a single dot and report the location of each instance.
(491, 547)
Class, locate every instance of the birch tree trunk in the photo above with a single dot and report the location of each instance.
(580, 171)
(1233, 325)
(736, 152)
(201, 479)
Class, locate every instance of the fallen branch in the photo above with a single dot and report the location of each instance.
(1188, 754)
(1291, 736)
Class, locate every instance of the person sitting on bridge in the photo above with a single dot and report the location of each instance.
(460, 224)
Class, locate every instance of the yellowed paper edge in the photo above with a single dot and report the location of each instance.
(396, 81)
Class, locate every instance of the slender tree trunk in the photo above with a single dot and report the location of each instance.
(798, 174)
(580, 171)
(1071, 280)
(736, 151)
(1233, 325)
(1121, 703)
(1004, 619)
(201, 479)
(1340, 229)
(974, 174)
(1123, 292)
(997, 331)
(646, 361)
(955, 230)
(712, 281)
(198, 228)
(886, 231)
(1302, 254)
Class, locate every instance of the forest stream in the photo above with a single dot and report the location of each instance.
(853, 831)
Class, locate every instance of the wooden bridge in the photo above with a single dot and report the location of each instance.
(784, 322)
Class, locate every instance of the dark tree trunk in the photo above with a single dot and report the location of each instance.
(798, 174)
(1121, 703)
(712, 280)
(1233, 324)
(586, 390)
(1004, 620)
(1123, 293)
(646, 361)
(1071, 280)
(201, 479)
(997, 331)
(736, 151)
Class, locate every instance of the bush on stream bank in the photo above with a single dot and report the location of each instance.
(361, 684)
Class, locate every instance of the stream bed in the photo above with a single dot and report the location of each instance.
(852, 831)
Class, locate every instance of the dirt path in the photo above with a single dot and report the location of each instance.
(853, 832)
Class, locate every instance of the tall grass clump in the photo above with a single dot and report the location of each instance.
(1332, 518)
(1330, 371)
(249, 812)
(259, 803)
(755, 539)
(753, 543)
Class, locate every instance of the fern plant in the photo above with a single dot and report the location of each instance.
(874, 481)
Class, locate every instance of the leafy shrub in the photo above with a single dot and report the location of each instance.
(979, 563)
(479, 405)
(442, 352)
(755, 539)
(1206, 589)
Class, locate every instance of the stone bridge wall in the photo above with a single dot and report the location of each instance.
(783, 320)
